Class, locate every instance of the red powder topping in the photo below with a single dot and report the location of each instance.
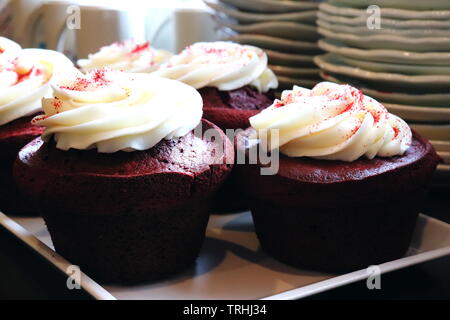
(278, 104)
(140, 47)
(218, 51)
(2, 50)
(57, 104)
(376, 114)
(21, 77)
(38, 118)
(396, 132)
(95, 79)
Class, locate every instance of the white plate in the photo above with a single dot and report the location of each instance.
(386, 12)
(441, 145)
(399, 4)
(385, 41)
(280, 29)
(271, 6)
(361, 20)
(433, 132)
(247, 17)
(382, 55)
(445, 156)
(295, 72)
(384, 81)
(286, 83)
(232, 266)
(277, 44)
(437, 100)
(290, 60)
(396, 67)
(362, 30)
(419, 113)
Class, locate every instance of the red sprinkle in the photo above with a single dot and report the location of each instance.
(57, 104)
(140, 47)
(95, 79)
(396, 132)
(21, 77)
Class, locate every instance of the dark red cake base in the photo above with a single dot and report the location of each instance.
(232, 109)
(336, 216)
(13, 136)
(127, 217)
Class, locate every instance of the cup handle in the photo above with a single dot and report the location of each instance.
(30, 26)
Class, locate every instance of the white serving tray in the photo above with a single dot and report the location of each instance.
(232, 266)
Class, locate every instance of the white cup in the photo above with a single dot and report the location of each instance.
(102, 26)
(45, 25)
(173, 24)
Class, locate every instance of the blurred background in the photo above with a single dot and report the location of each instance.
(397, 51)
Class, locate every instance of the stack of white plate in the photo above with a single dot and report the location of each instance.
(405, 64)
(286, 30)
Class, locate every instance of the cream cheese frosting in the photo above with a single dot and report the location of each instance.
(24, 80)
(224, 65)
(332, 122)
(117, 111)
(126, 56)
(8, 48)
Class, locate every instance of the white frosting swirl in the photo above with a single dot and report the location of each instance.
(224, 65)
(126, 56)
(112, 111)
(24, 80)
(332, 122)
(8, 48)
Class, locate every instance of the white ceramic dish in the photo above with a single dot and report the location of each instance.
(232, 266)
(286, 83)
(386, 11)
(433, 132)
(308, 17)
(437, 100)
(272, 6)
(362, 30)
(290, 60)
(280, 29)
(420, 114)
(407, 69)
(277, 44)
(441, 145)
(295, 72)
(382, 55)
(399, 4)
(389, 41)
(445, 156)
(384, 81)
(361, 21)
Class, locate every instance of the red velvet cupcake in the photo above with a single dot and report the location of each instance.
(125, 175)
(25, 76)
(348, 185)
(233, 79)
